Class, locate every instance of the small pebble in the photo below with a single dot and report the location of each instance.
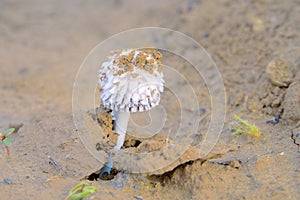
(137, 197)
(136, 187)
(235, 163)
(7, 181)
(202, 111)
(111, 193)
(23, 70)
(274, 121)
(206, 34)
(249, 175)
(258, 25)
(279, 73)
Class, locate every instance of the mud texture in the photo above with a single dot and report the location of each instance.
(43, 44)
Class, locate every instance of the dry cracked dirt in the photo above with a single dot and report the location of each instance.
(256, 46)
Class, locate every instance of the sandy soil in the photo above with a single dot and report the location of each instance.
(43, 44)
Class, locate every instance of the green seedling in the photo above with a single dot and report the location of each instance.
(246, 128)
(80, 191)
(5, 138)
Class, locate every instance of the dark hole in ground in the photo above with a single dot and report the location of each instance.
(131, 143)
(113, 123)
(98, 147)
(137, 143)
(95, 176)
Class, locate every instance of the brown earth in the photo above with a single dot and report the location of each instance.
(43, 43)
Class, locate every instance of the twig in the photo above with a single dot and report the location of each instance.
(55, 164)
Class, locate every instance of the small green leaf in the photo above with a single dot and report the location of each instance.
(80, 195)
(250, 129)
(91, 189)
(86, 191)
(7, 142)
(76, 188)
(238, 132)
(80, 191)
(9, 131)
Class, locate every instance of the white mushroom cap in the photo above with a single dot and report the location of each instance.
(131, 80)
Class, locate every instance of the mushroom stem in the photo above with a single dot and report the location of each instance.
(120, 127)
(107, 167)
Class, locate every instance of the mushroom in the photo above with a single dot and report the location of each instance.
(131, 81)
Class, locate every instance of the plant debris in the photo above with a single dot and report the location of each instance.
(81, 190)
(274, 121)
(5, 138)
(246, 128)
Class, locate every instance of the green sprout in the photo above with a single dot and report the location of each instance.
(247, 129)
(81, 190)
(5, 138)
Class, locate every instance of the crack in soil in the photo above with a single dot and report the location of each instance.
(294, 137)
(166, 177)
(236, 164)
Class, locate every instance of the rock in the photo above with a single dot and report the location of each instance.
(120, 181)
(279, 73)
(137, 187)
(249, 175)
(235, 164)
(257, 23)
(137, 197)
(271, 99)
(291, 103)
(8, 181)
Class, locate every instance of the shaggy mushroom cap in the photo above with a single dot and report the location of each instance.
(132, 80)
